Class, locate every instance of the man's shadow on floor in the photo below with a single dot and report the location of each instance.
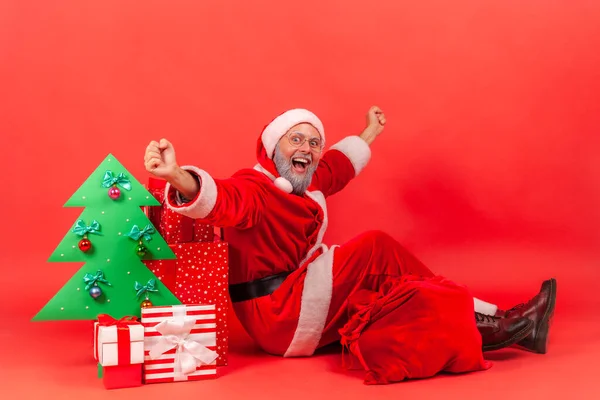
(340, 361)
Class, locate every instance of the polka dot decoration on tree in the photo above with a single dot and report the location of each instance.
(200, 275)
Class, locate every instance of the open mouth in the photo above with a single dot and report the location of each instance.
(300, 164)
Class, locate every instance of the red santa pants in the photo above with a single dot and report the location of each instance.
(365, 262)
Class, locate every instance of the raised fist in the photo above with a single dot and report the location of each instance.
(375, 120)
(160, 159)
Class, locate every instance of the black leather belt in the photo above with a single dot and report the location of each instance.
(256, 288)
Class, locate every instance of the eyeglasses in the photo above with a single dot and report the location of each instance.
(297, 139)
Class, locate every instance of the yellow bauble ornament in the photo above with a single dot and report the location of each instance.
(146, 303)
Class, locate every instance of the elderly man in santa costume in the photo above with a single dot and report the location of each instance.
(292, 293)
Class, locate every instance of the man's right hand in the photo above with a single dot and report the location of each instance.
(160, 159)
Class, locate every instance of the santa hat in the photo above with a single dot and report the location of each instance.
(274, 131)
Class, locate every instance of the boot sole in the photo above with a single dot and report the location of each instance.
(539, 344)
(517, 337)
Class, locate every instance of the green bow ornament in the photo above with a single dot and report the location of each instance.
(121, 180)
(149, 287)
(82, 229)
(92, 280)
(136, 233)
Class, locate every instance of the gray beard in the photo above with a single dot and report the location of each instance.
(284, 167)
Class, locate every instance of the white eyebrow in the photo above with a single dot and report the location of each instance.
(311, 137)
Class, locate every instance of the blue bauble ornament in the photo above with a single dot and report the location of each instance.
(95, 292)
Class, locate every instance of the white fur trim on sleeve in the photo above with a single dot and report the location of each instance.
(204, 202)
(316, 299)
(357, 151)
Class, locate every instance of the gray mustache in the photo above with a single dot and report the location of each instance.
(304, 156)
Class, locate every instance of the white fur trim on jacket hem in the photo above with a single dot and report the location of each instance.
(314, 308)
(204, 202)
(357, 151)
(318, 198)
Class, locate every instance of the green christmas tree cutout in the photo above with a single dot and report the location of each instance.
(112, 236)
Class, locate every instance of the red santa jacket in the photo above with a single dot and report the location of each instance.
(270, 231)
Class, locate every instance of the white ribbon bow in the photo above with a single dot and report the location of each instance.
(189, 352)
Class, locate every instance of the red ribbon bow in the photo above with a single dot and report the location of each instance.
(123, 337)
(107, 320)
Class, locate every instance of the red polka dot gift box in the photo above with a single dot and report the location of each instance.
(199, 275)
(172, 226)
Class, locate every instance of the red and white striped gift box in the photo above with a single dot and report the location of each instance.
(189, 335)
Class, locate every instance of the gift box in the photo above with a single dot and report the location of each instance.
(179, 343)
(172, 226)
(122, 376)
(119, 350)
(203, 232)
(199, 275)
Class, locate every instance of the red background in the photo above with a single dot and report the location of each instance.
(488, 168)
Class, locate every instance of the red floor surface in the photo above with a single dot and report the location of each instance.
(493, 111)
(54, 359)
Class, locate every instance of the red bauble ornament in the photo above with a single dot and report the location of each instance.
(85, 245)
(114, 193)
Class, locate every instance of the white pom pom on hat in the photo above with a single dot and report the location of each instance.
(284, 184)
(280, 125)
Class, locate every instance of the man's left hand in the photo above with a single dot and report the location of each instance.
(375, 124)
